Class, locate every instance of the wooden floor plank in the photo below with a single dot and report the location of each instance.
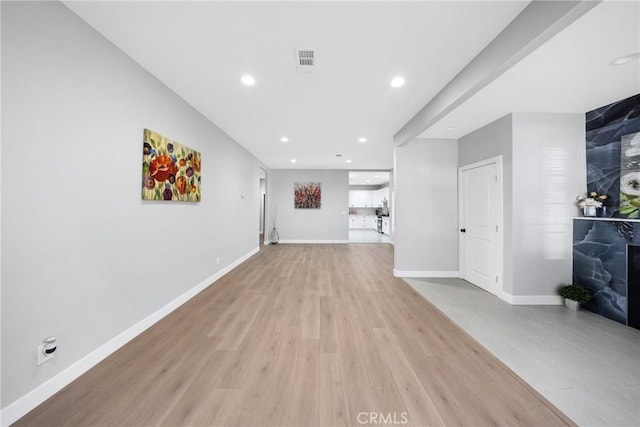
(202, 403)
(260, 340)
(303, 408)
(302, 335)
(311, 316)
(328, 329)
(417, 400)
(332, 406)
(242, 322)
(211, 408)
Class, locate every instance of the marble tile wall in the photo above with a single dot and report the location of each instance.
(605, 127)
(600, 263)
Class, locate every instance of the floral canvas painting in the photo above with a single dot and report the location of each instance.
(630, 176)
(170, 171)
(307, 195)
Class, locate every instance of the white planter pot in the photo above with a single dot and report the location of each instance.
(571, 304)
(589, 211)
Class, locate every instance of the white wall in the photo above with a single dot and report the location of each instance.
(549, 159)
(83, 257)
(328, 224)
(426, 208)
(544, 169)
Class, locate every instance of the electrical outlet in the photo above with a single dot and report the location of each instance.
(42, 356)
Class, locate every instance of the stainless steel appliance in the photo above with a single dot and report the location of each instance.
(379, 224)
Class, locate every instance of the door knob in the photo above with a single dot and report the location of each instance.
(463, 230)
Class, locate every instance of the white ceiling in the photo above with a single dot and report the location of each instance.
(201, 49)
(571, 73)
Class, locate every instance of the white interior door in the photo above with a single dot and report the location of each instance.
(480, 224)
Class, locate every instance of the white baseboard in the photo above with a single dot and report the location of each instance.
(425, 274)
(314, 242)
(531, 299)
(26, 403)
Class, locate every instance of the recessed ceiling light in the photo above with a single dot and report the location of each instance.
(363, 139)
(338, 155)
(293, 160)
(247, 80)
(348, 161)
(284, 139)
(368, 180)
(397, 81)
(624, 59)
(451, 128)
(376, 176)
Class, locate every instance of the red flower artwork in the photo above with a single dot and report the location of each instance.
(161, 167)
(307, 195)
(170, 171)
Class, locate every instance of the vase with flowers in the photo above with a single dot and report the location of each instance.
(591, 203)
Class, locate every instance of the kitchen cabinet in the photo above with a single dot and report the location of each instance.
(386, 225)
(362, 222)
(360, 199)
(368, 198)
(371, 221)
(352, 198)
(366, 221)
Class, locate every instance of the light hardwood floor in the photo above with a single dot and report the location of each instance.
(302, 335)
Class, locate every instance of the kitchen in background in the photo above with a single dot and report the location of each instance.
(369, 207)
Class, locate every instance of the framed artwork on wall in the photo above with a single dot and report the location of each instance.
(630, 176)
(170, 171)
(307, 195)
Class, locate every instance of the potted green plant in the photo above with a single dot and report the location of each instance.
(574, 295)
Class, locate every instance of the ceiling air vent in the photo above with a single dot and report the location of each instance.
(306, 60)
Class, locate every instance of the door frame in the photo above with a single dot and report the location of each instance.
(264, 201)
(499, 242)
